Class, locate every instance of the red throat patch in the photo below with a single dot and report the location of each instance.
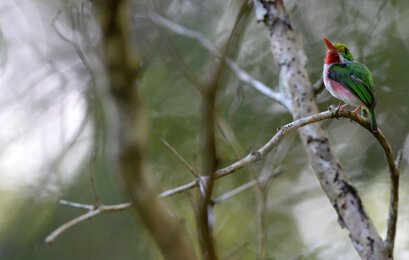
(332, 57)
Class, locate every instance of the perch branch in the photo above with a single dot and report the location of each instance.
(253, 156)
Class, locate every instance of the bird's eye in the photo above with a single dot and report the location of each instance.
(346, 51)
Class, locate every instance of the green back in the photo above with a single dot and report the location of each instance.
(356, 78)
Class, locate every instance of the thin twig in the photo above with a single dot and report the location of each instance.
(264, 182)
(262, 212)
(92, 173)
(77, 205)
(92, 213)
(74, 41)
(207, 44)
(246, 186)
(54, 26)
(235, 191)
(173, 150)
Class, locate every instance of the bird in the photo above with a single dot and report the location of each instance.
(348, 80)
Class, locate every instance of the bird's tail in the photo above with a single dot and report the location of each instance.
(372, 120)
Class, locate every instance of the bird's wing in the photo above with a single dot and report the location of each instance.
(356, 78)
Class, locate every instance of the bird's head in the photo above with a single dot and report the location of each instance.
(337, 53)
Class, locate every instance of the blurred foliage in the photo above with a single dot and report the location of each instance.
(47, 91)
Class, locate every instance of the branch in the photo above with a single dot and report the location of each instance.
(393, 197)
(207, 44)
(247, 186)
(129, 121)
(93, 211)
(74, 41)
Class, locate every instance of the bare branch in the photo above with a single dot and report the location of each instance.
(74, 41)
(173, 150)
(93, 211)
(240, 73)
(76, 204)
(394, 192)
(57, 31)
(247, 186)
(235, 191)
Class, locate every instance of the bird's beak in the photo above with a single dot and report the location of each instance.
(329, 44)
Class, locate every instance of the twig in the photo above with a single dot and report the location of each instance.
(54, 26)
(92, 173)
(173, 150)
(74, 41)
(246, 186)
(264, 182)
(262, 212)
(94, 211)
(235, 191)
(240, 73)
(76, 204)
(394, 194)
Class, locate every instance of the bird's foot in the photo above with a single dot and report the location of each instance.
(356, 110)
(343, 107)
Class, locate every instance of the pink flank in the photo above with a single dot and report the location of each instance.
(340, 92)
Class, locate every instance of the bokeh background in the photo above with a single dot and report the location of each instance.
(52, 119)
